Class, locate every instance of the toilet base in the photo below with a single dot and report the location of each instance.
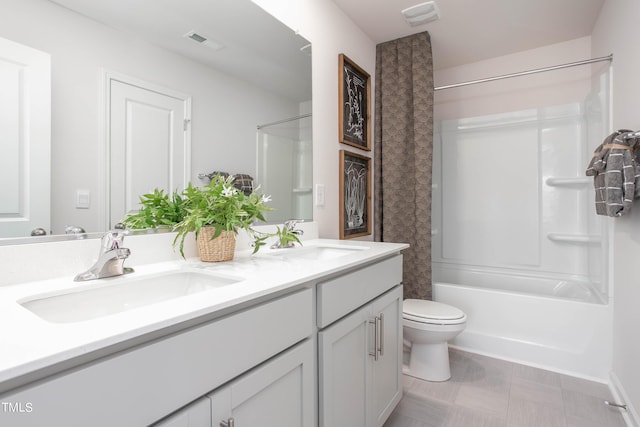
(429, 362)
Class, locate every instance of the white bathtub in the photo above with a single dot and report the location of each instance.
(562, 326)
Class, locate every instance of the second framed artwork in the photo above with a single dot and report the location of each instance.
(355, 195)
(354, 93)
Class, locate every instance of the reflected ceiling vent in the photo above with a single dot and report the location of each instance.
(421, 13)
(203, 40)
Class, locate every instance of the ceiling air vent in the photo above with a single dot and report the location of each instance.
(421, 13)
(203, 40)
(197, 37)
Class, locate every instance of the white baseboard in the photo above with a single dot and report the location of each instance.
(630, 416)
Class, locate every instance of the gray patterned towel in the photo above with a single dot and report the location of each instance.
(243, 182)
(615, 178)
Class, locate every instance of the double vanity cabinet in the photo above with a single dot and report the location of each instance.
(324, 350)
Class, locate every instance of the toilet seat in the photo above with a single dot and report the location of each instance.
(424, 311)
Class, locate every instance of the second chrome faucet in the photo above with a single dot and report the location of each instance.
(111, 258)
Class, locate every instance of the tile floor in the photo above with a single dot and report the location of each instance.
(487, 392)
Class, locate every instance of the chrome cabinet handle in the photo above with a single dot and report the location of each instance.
(227, 423)
(378, 333)
(377, 339)
(376, 324)
(381, 334)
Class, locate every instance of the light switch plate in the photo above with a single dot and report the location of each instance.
(319, 194)
(83, 199)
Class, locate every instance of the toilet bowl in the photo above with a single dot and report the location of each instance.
(427, 326)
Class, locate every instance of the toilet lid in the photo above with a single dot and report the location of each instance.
(423, 309)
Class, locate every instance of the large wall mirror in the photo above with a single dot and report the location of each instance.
(246, 76)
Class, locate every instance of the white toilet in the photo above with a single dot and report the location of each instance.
(427, 326)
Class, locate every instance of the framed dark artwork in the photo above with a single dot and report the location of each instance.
(355, 195)
(354, 93)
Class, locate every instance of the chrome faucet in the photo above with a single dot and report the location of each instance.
(289, 228)
(111, 259)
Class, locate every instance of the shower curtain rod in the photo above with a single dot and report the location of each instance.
(290, 119)
(524, 73)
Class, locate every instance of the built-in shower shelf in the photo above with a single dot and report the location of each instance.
(302, 190)
(573, 238)
(569, 182)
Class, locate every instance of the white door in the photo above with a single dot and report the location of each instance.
(25, 139)
(149, 143)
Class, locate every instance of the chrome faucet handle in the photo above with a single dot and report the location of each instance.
(291, 223)
(113, 239)
(110, 262)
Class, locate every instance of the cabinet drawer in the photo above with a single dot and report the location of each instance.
(141, 385)
(340, 296)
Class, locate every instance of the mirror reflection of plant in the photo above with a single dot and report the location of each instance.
(218, 204)
(157, 210)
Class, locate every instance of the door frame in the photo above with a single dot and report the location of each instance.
(109, 76)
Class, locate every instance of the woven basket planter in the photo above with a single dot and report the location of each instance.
(219, 249)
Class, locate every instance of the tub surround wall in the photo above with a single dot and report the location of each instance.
(530, 137)
(510, 195)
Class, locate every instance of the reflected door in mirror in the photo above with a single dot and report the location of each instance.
(25, 139)
(149, 144)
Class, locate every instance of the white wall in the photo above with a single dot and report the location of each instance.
(518, 93)
(331, 32)
(80, 49)
(611, 35)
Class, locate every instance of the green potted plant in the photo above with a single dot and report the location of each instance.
(157, 210)
(218, 211)
(215, 212)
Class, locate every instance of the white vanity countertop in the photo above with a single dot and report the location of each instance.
(31, 344)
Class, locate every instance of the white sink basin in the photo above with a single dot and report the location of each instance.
(91, 302)
(317, 253)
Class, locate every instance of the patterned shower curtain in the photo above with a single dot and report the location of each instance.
(403, 154)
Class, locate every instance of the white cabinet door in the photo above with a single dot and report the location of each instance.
(343, 360)
(360, 376)
(197, 414)
(279, 393)
(385, 390)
